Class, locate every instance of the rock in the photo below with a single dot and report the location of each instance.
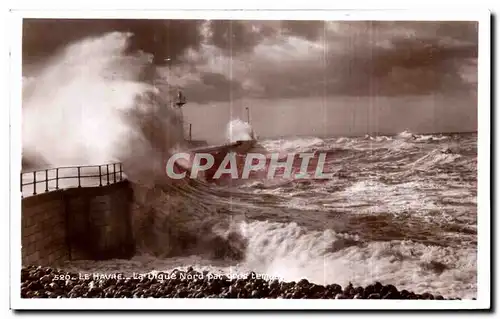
(274, 293)
(303, 283)
(334, 288)
(242, 294)
(369, 290)
(296, 295)
(233, 291)
(274, 284)
(240, 283)
(53, 286)
(182, 293)
(249, 286)
(349, 287)
(251, 275)
(359, 290)
(390, 292)
(427, 296)
(94, 292)
(34, 286)
(392, 295)
(316, 291)
(51, 294)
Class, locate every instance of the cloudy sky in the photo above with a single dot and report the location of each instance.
(219, 62)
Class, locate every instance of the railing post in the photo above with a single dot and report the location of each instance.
(107, 173)
(46, 180)
(100, 176)
(79, 183)
(121, 169)
(190, 136)
(21, 177)
(57, 178)
(34, 183)
(114, 173)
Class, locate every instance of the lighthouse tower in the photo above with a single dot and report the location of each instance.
(181, 100)
(178, 103)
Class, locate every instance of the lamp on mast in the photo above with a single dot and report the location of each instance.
(181, 99)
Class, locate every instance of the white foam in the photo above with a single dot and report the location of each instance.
(238, 130)
(298, 144)
(293, 253)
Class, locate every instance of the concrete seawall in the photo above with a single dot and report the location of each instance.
(77, 223)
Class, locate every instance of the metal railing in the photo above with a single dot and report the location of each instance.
(70, 177)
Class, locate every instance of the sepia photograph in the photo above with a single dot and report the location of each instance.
(191, 160)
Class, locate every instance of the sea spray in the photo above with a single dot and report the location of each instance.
(238, 130)
(88, 106)
(92, 104)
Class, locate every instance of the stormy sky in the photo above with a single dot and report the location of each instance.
(221, 61)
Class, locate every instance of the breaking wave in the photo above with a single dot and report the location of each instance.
(90, 105)
(237, 130)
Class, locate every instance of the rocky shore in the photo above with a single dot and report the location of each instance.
(46, 282)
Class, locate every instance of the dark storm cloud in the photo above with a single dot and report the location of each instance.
(311, 30)
(428, 61)
(356, 58)
(408, 66)
(236, 36)
(162, 38)
(378, 58)
(214, 87)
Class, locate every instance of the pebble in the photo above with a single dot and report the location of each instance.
(45, 282)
